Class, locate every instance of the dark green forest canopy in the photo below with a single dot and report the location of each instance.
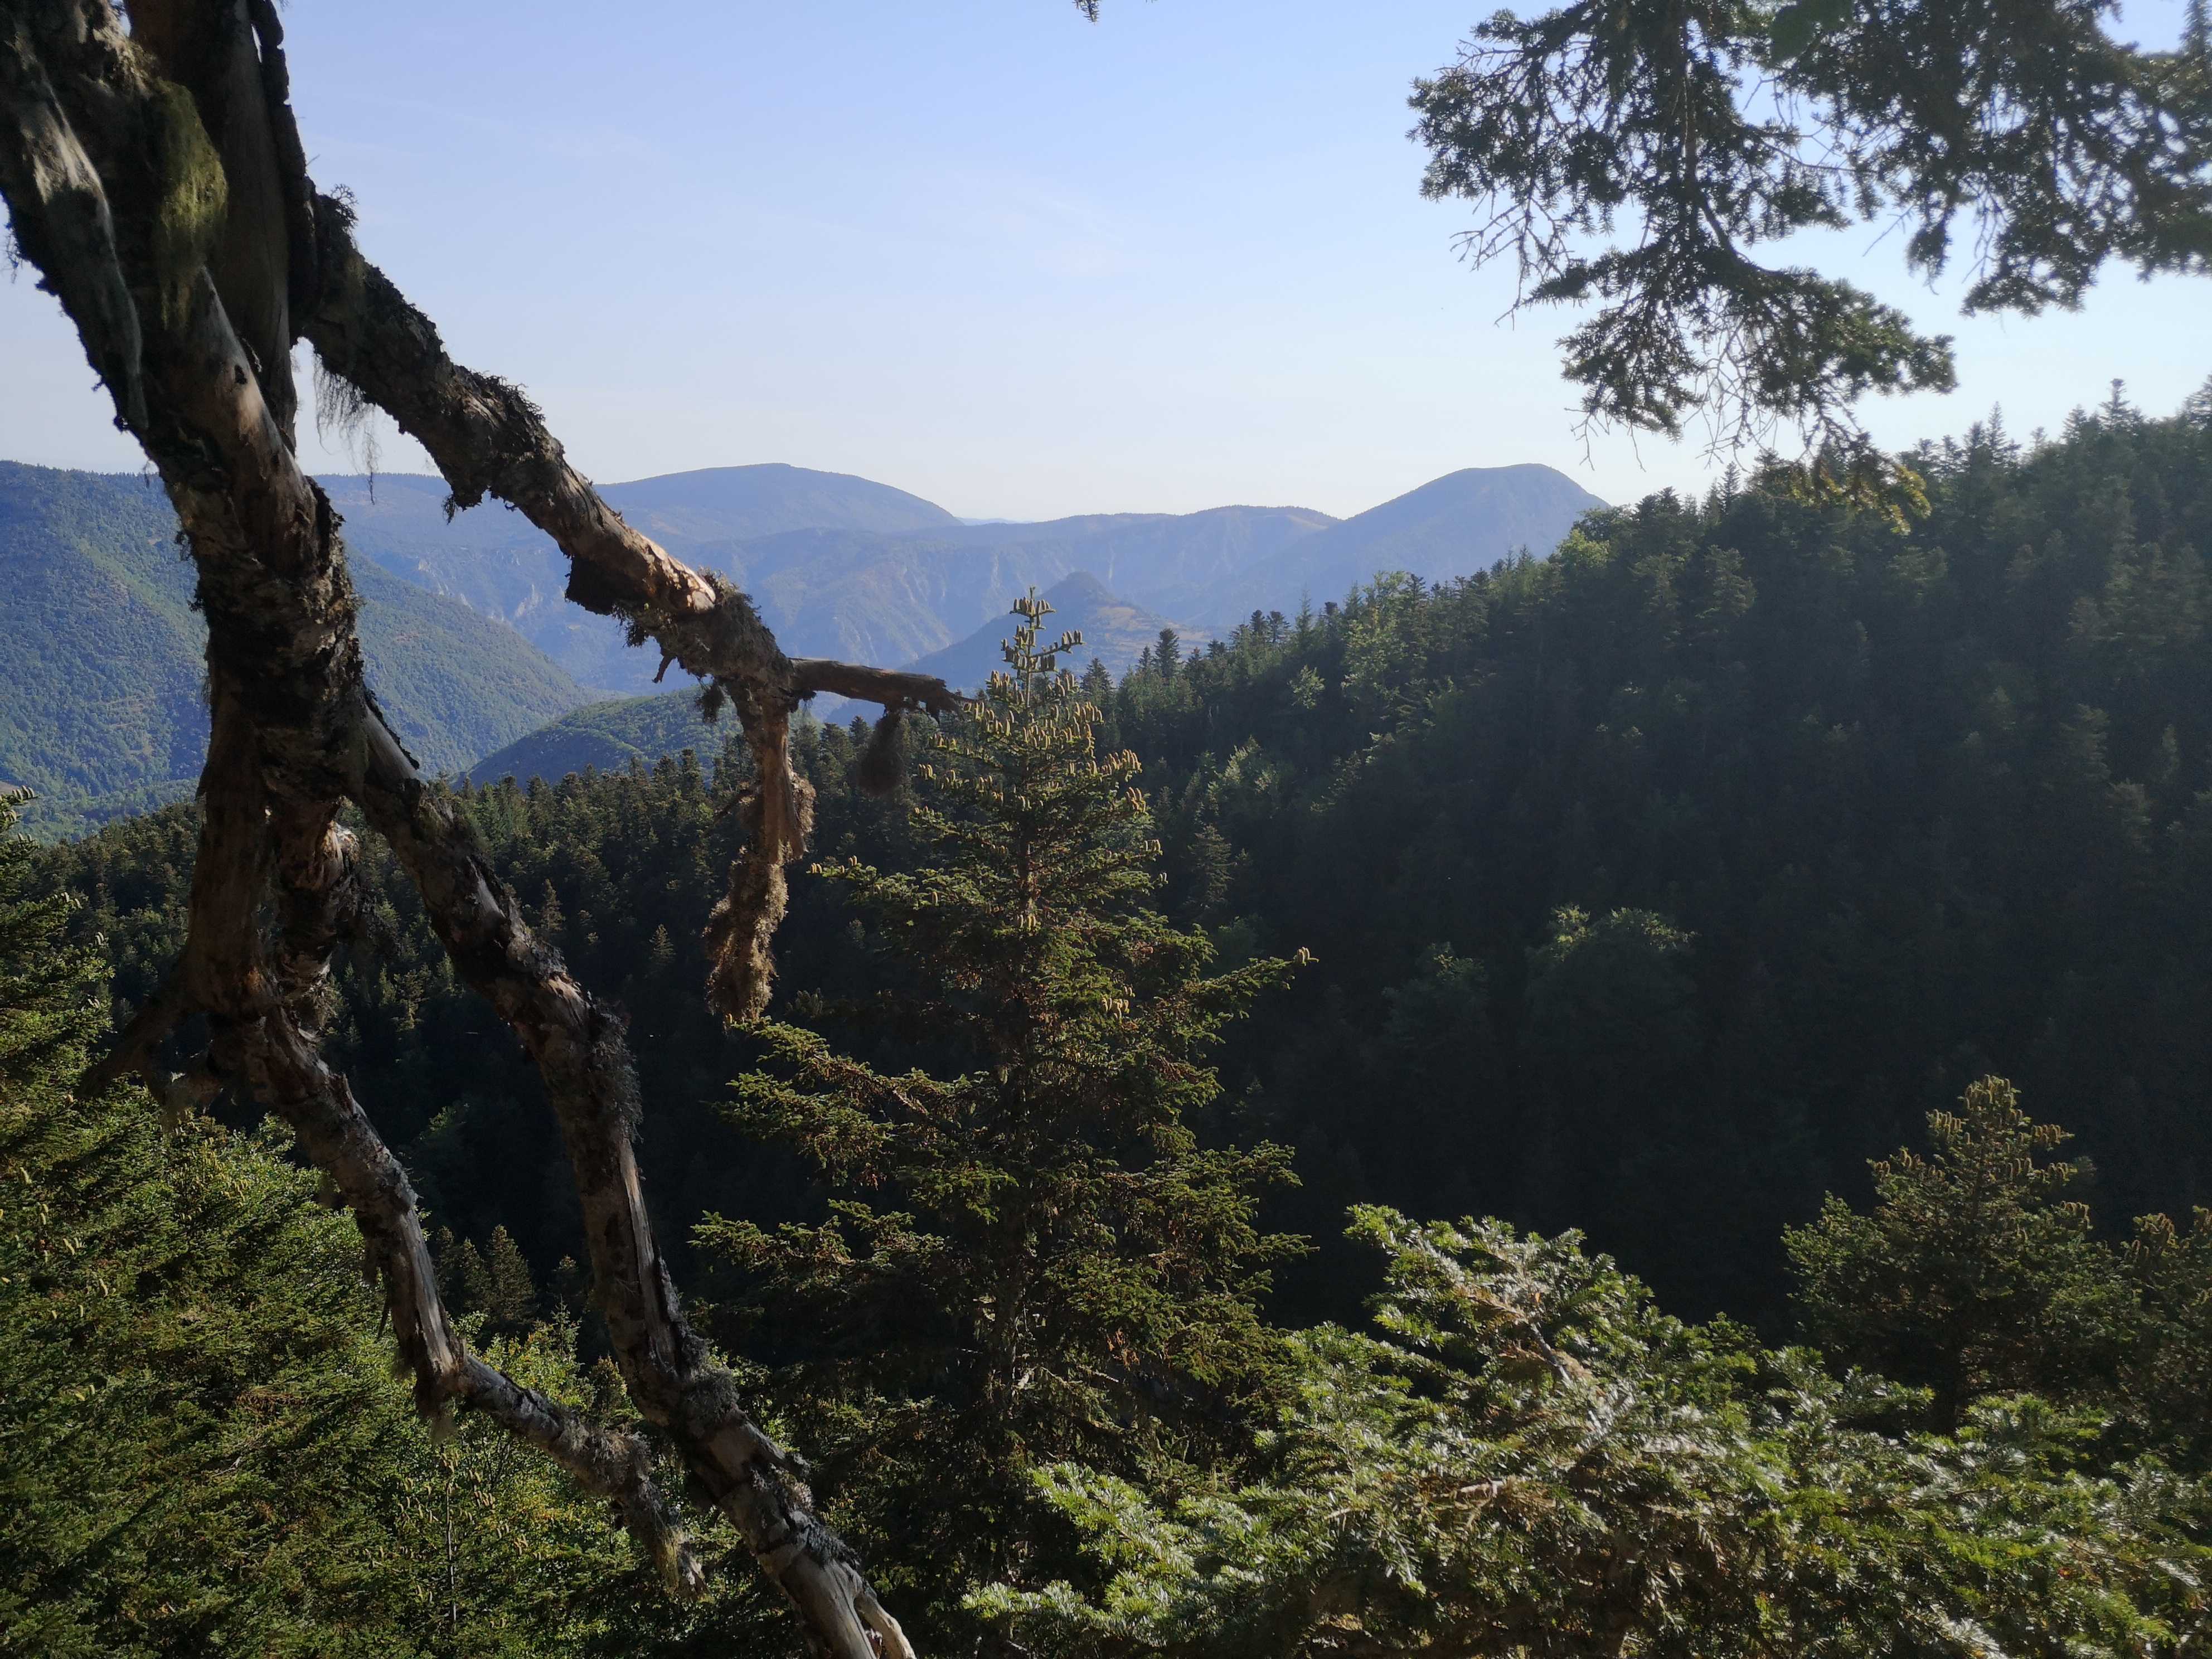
(1654, 887)
(1518, 1452)
(1658, 885)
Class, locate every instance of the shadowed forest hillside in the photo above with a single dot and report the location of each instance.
(1503, 1077)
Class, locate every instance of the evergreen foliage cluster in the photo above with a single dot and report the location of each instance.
(1653, 888)
(1526, 1456)
(1636, 153)
(203, 1448)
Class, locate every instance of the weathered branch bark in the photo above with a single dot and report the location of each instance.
(890, 687)
(303, 263)
(209, 47)
(295, 732)
(488, 439)
(580, 1054)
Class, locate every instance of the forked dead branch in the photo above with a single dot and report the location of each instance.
(156, 184)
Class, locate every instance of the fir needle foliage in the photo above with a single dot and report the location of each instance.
(1635, 153)
(1029, 1254)
(1527, 1458)
(202, 1448)
(1975, 1272)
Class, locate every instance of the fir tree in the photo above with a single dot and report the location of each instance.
(1167, 657)
(1975, 1274)
(1029, 1255)
(1097, 684)
(1526, 1457)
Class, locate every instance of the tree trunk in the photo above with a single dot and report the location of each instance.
(186, 263)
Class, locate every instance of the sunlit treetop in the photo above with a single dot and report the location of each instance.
(1634, 153)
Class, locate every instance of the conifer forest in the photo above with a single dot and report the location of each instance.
(1648, 1099)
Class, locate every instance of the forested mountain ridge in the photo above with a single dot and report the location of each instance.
(100, 705)
(501, 565)
(607, 737)
(1449, 527)
(611, 734)
(1649, 890)
(101, 709)
(1616, 863)
(1658, 885)
(1653, 887)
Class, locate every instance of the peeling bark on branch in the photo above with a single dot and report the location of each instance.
(487, 438)
(579, 1048)
(106, 172)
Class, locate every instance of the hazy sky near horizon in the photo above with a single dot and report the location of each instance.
(1013, 262)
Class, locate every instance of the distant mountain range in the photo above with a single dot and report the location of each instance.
(842, 567)
(1449, 527)
(102, 706)
(472, 645)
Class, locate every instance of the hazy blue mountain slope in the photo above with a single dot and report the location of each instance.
(723, 503)
(1451, 526)
(101, 708)
(490, 558)
(611, 734)
(843, 567)
(502, 565)
(884, 599)
(1113, 630)
(887, 599)
(1169, 560)
(454, 683)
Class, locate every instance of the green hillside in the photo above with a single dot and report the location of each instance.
(1642, 896)
(100, 702)
(101, 708)
(608, 736)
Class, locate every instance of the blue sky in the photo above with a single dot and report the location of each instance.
(984, 251)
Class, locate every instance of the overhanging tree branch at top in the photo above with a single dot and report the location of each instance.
(1632, 152)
